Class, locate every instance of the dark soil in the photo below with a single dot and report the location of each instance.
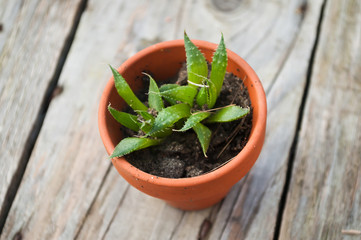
(180, 155)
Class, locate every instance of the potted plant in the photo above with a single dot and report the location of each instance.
(163, 61)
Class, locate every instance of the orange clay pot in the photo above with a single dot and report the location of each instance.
(163, 60)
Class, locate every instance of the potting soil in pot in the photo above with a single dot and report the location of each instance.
(180, 155)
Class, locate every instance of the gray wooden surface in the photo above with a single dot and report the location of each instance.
(56, 181)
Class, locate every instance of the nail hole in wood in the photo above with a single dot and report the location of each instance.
(18, 236)
(204, 229)
(57, 91)
(226, 5)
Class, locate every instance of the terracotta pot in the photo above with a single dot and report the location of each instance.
(164, 60)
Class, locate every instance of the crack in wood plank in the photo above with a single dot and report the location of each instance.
(92, 204)
(35, 129)
(237, 190)
(90, 210)
(323, 198)
(177, 225)
(278, 99)
(115, 212)
(285, 190)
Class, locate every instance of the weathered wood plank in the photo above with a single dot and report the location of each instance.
(68, 163)
(60, 197)
(33, 34)
(325, 195)
(273, 166)
(8, 13)
(253, 215)
(120, 212)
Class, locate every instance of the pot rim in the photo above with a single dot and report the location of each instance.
(255, 135)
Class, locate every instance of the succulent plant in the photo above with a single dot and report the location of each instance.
(188, 107)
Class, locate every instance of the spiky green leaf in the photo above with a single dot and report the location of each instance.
(126, 92)
(196, 63)
(131, 144)
(163, 133)
(126, 119)
(154, 97)
(147, 121)
(185, 94)
(194, 119)
(166, 87)
(168, 116)
(202, 96)
(219, 66)
(228, 114)
(211, 94)
(204, 136)
(146, 116)
(169, 86)
(145, 127)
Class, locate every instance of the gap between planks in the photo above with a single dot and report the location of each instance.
(283, 200)
(51, 92)
(115, 212)
(96, 195)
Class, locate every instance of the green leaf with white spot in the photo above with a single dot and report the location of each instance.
(131, 144)
(196, 63)
(147, 122)
(146, 116)
(168, 116)
(169, 86)
(163, 133)
(126, 92)
(201, 98)
(194, 119)
(204, 136)
(185, 94)
(154, 98)
(126, 119)
(228, 114)
(211, 94)
(219, 66)
(145, 127)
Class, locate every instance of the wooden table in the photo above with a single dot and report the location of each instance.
(56, 181)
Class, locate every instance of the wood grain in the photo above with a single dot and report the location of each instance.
(325, 195)
(69, 163)
(251, 213)
(31, 41)
(273, 166)
(69, 189)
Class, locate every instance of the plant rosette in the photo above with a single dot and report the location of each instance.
(164, 60)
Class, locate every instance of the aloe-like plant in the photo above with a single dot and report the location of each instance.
(189, 106)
